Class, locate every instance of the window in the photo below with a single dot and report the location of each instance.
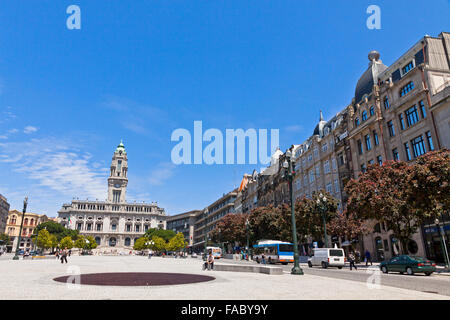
(127, 241)
(89, 227)
(99, 227)
(406, 89)
(372, 111)
(418, 146)
(341, 159)
(333, 163)
(112, 242)
(380, 160)
(368, 144)
(430, 141)
(79, 226)
(375, 138)
(316, 153)
(386, 103)
(113, 227)
(402, 121)
(311, 176)
(395, 154)
(407, 68)
(329, 187)
(391, 128)
(360, 149)
(336, 185)
(408, 153)
(98, 240)
(356, 122)
(128, 227)
(318, 171)
(423, 112)
(116, 196)
(325, 147)
(326, 167)
(412, 116)
(364, 116)
(310, 157)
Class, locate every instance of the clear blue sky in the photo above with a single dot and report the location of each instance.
(137, 70)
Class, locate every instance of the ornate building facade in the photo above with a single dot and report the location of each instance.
(30, 222)
(114, 224)
(4, 210)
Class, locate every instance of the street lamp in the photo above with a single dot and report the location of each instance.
(247, 226)
(289, 172)
(441, 232)
(322, 205)
(25, 203)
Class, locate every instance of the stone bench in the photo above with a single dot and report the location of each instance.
(248, 268)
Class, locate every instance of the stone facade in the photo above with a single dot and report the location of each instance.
(115, 224)
(30, 222)
(184, 223)
(4, 211)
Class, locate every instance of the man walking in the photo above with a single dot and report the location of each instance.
(64, 255)
(368, 258)
(351, 259)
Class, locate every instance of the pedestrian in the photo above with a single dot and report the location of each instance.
(210, 262)
(70, 252)
(57, 254)
(351, 259)
(368, 258)
(263, 259)
(64, 255)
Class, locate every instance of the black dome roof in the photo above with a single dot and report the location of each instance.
(370, 76)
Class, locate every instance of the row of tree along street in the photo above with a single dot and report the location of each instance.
(401, 195)
(159, 240)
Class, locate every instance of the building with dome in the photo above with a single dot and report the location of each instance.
(115, 224)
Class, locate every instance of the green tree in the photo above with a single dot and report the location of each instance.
(80, 242)
(177, 242)
(53, 241)
(347, 226)
(58, 230)
(141, 243)
(91, 244)
(158, 244)
(232, 228)
(161, 233)
(43, 240)
(4, 239)
(66, 242)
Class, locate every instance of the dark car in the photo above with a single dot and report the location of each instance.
(408, 264)
(21, 252)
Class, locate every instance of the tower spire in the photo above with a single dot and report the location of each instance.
(321, 116)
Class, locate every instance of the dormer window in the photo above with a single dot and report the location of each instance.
(356, 122)
(406, 89)
(364, 115)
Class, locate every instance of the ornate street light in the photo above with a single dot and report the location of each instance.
(25, 203)
(441, 232)
(289, 172)
(322, 205)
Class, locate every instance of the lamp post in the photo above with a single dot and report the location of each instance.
(441, 232)
(322, 205)
(287, 165)
(247, 227)
(25, 203)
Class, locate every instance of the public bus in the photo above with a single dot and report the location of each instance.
(274, 251)
(216, 252)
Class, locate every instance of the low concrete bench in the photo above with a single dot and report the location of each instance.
(248, 268)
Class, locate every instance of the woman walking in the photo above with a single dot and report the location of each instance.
(351, 259)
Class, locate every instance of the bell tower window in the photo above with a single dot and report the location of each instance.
(116, 195)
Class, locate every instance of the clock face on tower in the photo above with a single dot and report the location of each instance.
(117, 185)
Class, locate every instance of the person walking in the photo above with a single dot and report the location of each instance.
(210, 261)
(57, 254)
(263, 259)
(70, 252)
(368, 258)
(64, 255)
(351, 259)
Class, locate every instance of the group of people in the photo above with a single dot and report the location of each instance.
(352, 258)
(62, 254)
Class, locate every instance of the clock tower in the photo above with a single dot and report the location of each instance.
(117, 181)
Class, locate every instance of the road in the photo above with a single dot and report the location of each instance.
(435, 283)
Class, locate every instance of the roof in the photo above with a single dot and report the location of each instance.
(121, 147)
(370, 76)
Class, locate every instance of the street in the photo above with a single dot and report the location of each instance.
(438, 284)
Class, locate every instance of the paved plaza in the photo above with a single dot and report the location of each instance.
(33, 279)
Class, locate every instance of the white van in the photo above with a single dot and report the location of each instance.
(327, 257)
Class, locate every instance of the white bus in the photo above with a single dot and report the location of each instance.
(216, 252)
(274, 251)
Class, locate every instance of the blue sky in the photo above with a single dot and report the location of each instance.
(137, 70)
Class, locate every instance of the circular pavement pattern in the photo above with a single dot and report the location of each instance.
(136, 279)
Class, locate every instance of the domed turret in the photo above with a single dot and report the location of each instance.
(120, 148)
(370, 76)
(318, 130)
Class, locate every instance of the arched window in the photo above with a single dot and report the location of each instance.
(127, 241)
(32, 222)
(98, 240)
(412, 247)
(13, 220)
(25, 221)
(112, 242)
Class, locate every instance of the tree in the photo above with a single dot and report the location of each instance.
(4, 239)
(177, 242)
(90, 244)
(80, 242)
(43, 240)
(161, 233)
(158, 244)
(386, 193)
(141, 243)
(347, 226)
(232, 228)
(265, 223)
(66, 242)
(58, 230)
(53, 241)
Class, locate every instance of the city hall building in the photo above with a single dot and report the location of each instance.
(114, 224)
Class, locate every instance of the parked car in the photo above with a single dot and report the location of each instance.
(408, 264)
(327, 257)
(21, 252)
